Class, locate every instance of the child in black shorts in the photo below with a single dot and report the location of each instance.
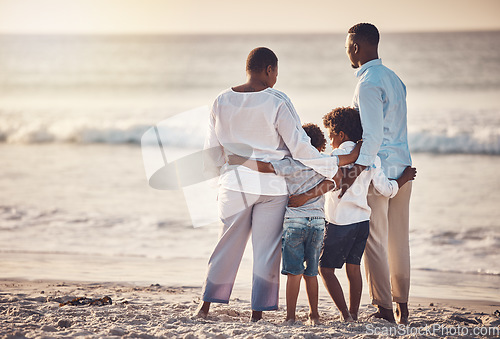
(347, 226)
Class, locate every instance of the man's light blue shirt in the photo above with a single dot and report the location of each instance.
(380, 98)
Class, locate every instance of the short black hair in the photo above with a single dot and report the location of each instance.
(345, 119)
(366, 32)
(316, 134)
(259, 58)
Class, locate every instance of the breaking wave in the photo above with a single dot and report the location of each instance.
(472, 140)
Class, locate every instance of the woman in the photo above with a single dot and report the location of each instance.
(260, 121)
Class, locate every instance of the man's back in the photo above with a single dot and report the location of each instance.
(378, 85)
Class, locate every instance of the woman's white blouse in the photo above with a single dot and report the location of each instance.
(261, 126)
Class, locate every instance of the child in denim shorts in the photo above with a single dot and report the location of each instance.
(303, 226)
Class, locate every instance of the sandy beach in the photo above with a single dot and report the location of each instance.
(32, 309)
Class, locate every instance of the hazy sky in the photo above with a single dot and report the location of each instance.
(234, 16)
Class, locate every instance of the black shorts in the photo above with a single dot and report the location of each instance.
(344, 244)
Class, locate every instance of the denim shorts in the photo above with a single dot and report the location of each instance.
(344, 244)
(301, 243)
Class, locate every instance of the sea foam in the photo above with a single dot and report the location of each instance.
(187, 134)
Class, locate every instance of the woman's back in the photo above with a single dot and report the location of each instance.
(249, 118)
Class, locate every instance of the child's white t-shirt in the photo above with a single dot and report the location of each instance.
(353, 207)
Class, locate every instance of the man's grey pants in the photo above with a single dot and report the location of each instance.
(242, 214)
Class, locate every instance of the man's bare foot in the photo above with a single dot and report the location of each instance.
(289, 322)
(384, 313)
(354, 316)
(202, 310)
(402, 313)
(256, 316)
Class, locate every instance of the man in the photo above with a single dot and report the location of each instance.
(380, 97)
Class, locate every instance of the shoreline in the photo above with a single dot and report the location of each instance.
(190, 272)
(31, 308)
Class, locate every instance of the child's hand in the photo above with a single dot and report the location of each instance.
(408, 174)
(234, 159)
(297, 200)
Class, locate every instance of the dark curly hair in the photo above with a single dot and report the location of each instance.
(366, 32)
(259, 58)
(316, 134)
(345, 119)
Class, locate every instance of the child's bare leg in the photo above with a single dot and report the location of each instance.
(335, 290)
(202, 310)
(355, 288)
(312, 297)
(292, 293)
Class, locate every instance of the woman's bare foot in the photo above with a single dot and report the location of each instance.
(354, 316)
(202, 310)
(289, 322)
(384, 313)
(256, 316)
(402, 313)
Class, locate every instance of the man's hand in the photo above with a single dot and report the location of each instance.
(297, 200)
(350, 176)
(338, 178)
(357, 148)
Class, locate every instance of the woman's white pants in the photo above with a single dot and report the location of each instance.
(243, 214)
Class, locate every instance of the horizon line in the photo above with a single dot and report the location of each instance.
(215, 33)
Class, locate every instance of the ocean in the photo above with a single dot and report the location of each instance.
(75, 202)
